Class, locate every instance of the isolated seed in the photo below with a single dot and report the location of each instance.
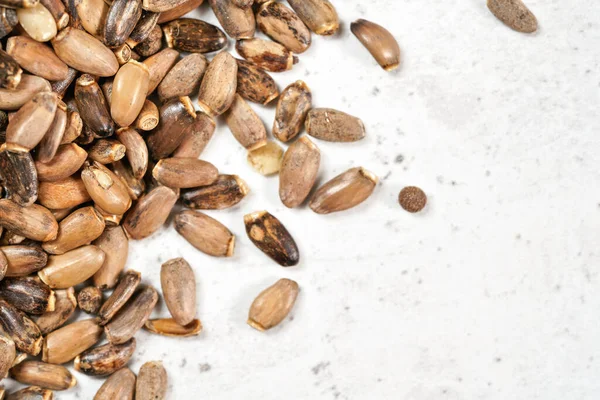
(245, 124)
(196, 138)
(105, 188)
(379, 41)
(123, 291)
(273, 304)
(298, 172)
(29, 86)
(266, 159)
(66, 193)
(135, 187)
(266, 54)
(205, 233)
(28, 126)
(53, 137)
(23, 260)
(151, 382)
(168, 327)
(294, 103)
(37, 22)
(184, 172)
(28, 295)
(184, 78)
(218, 87)
(334, 126)
(227, 191)
(8, 20)
(345, 191)
(10, 72)
(129, 92)
(514, 14)
(93, 107)
(283, 26)
(194, 36)
(85, 53)
(238, 22)
(107, 151)
(176, 119)
(60, 346)
(31, 392)
(179, 10)
(34, 222)
(152, 44)
(7, 354)
(18, 175)
(179, 290)
(49, 376)
(74, 127)
(37, 58)
(272, 238)
(150, 212)
(72, 268)
(143, 28)
(120, 385)
(132, 316)
(64, 307)
(121, 19)
(60, 87)
(412, 199)
(92, 14)
(255, 84)
(318, 15)
(159, 65)
(105, 360)
(148, 117)
(115, 245)
(23, 331)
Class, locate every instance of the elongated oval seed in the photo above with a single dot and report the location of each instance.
(64, 306)
(29, 125)
(59, 346)
(159, 65)
(205, 233)
(135, 187)
(49, 376)
(179, 290)
(272, 238)
(334, 126)
(245, 124)
(120, 385)
(7, 354)
(137, 151)
(238, 22)
(151, 382)
(93, 107)
(23, 331)
(345, 191)
(514, 14)
(227, 191)
(196, 137)
(29, 86)
(283, 26)
(265, 54)
(150, 212)
(115, 245)
(143, 28)
(184, 78)
(194, 36)
(85, 53)
(68, 159)
(292, 107)
(168, 327)
(31, 392)
(34, 222)
(24, 260)
(318, 15)
(218, 87)
(79, 228)
(18, 175)
(28, 295)
(106, 189)
(74, 127)
(66, 193)
(132, 316)
(107, 151)
(92, 14)
(104, 360)
(72, 268)
(121, 19)
(123, 291)
(298, 172)
(161, 5)
(53, 137)
(255, 84)
(379, 41)
(37, 22)
(176, 118)
(273, 304)
(37, 58)
(129, 92)
(184, 172)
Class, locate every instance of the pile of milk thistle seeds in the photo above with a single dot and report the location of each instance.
(100, 139)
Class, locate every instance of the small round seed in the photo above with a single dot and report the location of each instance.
(412, 199)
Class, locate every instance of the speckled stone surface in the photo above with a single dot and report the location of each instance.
(493, 292)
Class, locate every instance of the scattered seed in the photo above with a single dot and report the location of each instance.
(49, 376)
(379, 41)
(120, 385)
(273, 304)
(412, 199)
(151, 382)
(514, 14)
(168, 327)
(104, 360)
(272, 238)
(292, 107)
(123, 291)
(205, 233)
(179, 290)
(345, 191)
(333, 125)
(227, 191)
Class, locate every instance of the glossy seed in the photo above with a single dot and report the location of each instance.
(318, 15)
(89, 299)
(38, 22)
(379, 41)
(273, 304)
(132, 316)
(298, 172)
(205, 233)
(106, 359)
(272, 238)
(151, 382)
(282, 25)
(60, 87)
(238, 22)
(37, 58)
(53, 137)
(143, 28)
(24, 260)
(123, 291)
(196, 138)
(227, 191)
(266, 160)
(106, 189)
(28, 88)
(179, 10)
(59, 346)
(412, 199)
(514, 14)
(176, 118)
(334, 126)
(120, 385)
(49, 376)
(292, 107)
(72, 268)
(28, 295)
(129, 90)
(64, 307)
(107, 151)
(194, 36)
(29, 125)
(115, 245)
(34, 222)
(159, 65)
(184, 172)
(218, 87)
(255, 84)
(150, 212)
(245, 124)
(168, 327)
(22, 330)
(161, 5)
(121, 19)
(265, 54)
(179, 290)
(66, 193)
(184, 78)
(58, 11)
(345, 191)
(18, 175)
(93, 107)
(92, 14)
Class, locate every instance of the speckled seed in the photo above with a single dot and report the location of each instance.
(245, 124)
(379, 41)
(283, 26)
(93, 106)
(8, 20)
(184, 78)
(218, 87)
(151, 45)
(29, 86)
(34, 222)
(412, 199)
(255, 84)
(28, 294)
(18, 175)
(49, 376)
(89, 299)
(238, 22)
(132, 316)
(120, 385)
(22, 330)
(121, 19)
(123, 291)
(168, 327)
(143, 28)
(37, 58)
(150, 212)
(129, 90)
(106, 359)
(151, 382)
(184, 172)
(24, 260)
(64, 307)
(273, 304)
(345, 191)
(205, 233)
(298, 172)
(292, 107)
(31, 392)
(334, 126)
(38, 22)
(179, 290)
(272, 238)
(194, 36)
(29, 125)
(227, 191)
(266, 160)
(7, 354)
(137, 151)
(107, 151)
(266, 54)
(514, 14)
(179, 10)
(318, 15)
(161, 5)
(159, 65)
(59, 346)
(115, 245)
(66, 193)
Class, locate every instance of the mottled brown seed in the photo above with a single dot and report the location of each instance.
(412, 199)
(129, 90)
(59, 346)
(137, 151)
(161, 5)
(120, 385)
(177, 117)
(7, 354)
(106, 189)
(148, 117)
(159, 65)
(243, 3)
(150, 212)
(255, 84)
(72, 268)
(31, 393)
(135, 187)
(283, 26)
(143, 28)
(64, 307)
(104, 360)
(266, 160)
(28, 126)
(24, 260)
(23, 331)
(92, 14)
(28, 88)
(245, 124)
(238, 22)
(514, 14)
(184, 172)
(93, 107)
(184, 78)
(379, 41)
(34, 222)
(226, 192)
(345, 191)
(8, 20)
(107, 151)
(18, 175)
(28, 295)
(68, 159)
(10, 237)
(37, 58)
(205, 233)
(168, 327)
(132, 316)
(123, 291)
(123, 54)
(115, 245)
(179, 290)
(194, 36)
(179, 11)
(66, 193)
(273, 304)
(89, 299)
(122, 17)
(53, 137)
(265, 54)
(318, 15)
(60, 87)
(74, 127)
(298, 172)
(196, 137)
(272, 238)
(218, 87)
(151, 382)
(49, 376)
(37, 22)
(334, 126)
(292, 107)
(152, 44)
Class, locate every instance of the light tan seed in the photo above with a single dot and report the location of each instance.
(18, 175)
(7, 354)
(151, 382)
(129, 92)
(72, 268)
(30, 85)
(345, 191)
(64, 306)
(266, 160)
(245, 124)
(135, 187)
(28, 294)
(299, 171)
(318, 15)
(29, 125)
(3, 265)
(184, 78)
(58, 11)
(107, 151)
(150, 212)
(283, 26)
(105, 188)
(74, 127)
(89, 299)
(22, 330)
(205, 233)
(31, 392)
(266, 54)
(184, 172)
(238, 22)
(272, 238)
(137, 151)
(104, 360)
(48, 376)
(61, 214)
(379, 41)
(148, 117)
(179, 11)
(159, 65)
(68, 159)
(37, 58)
(92, 14)
(514, 14)
(120, 385)
(123, 291)
(179, 290)
(255, 84)
(227, 191)
(59, 346)
(168, 327)
(53, 137)
(334, 126)
(24, 260)
(132, 316)
(79, 228)
(66, 193)
(161, 5)
(34, 222)
(292, 107)
(196, 138)
(115, 245)
(273, 304)
(37, 22)
(218, 87)
(177, 117)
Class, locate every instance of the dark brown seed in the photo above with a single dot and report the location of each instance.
(159, 65)
(49, 376)
(8, 20)
(152, 382)
(132, 316)
(123, 291)
(107, 151)
(184, 172)
(514, 14)
(28, 295)
(37, 58)
(161, 5)
(265, 54)
(24, 260)
(23, 331)
(120, 385)
(89, 299)
(334, 126)
(226, 192)
(184, 78)
(61, 87)
(293, 106)
(150, 212)
(152, 44)
(53, 137)
(72, 268)
(283, 26)
(31, 393)
(318, 15)
(194, 36)
(29, 125)
(93, 107)
(176, 118)
(115, 245)
(29, 87)
(64, 307)
(412, 199)
(148, 117)
(143, 28)
(135, 187)
(81, 227)
(379, 41)
(272, 238)
(273, 304)
(196, 137)
(345, 191)
(34, 222)
(238, 22)
(105, 360)
(245, 125)
(205, 233)
(219, 85)
(106, 189)
(168, 327)
(122, 17)
(10, 72)
(18, 176)
(60, 346)
(7, 354)
(66, 193)
(137, 151)
(179, 290)
(179, 11)
(255, 84)
(298, 172)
